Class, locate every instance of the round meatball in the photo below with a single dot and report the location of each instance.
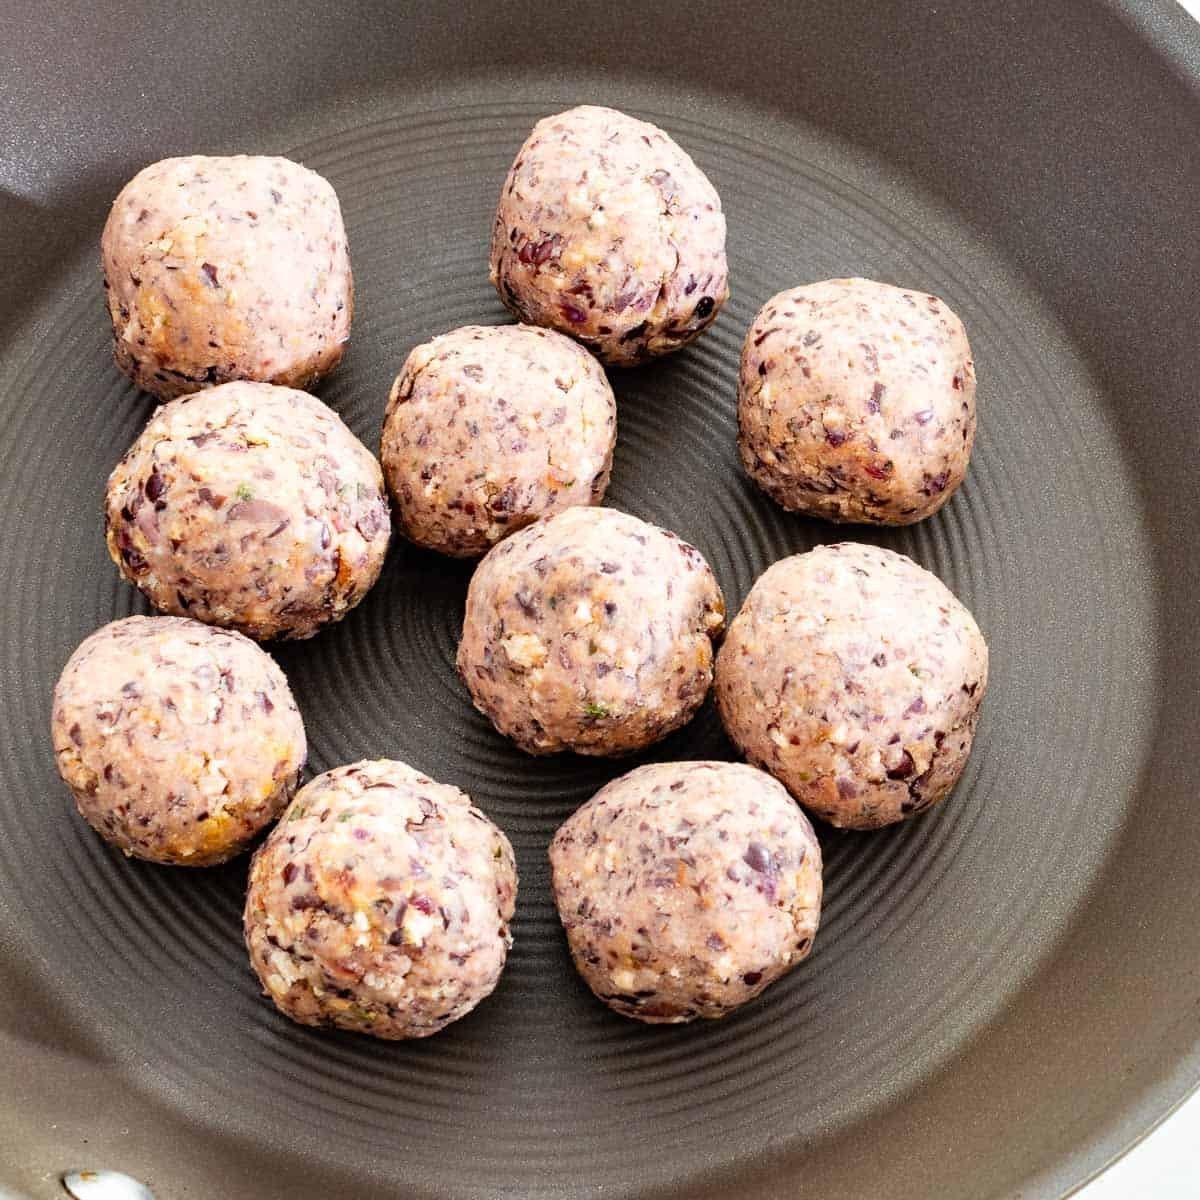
(180, 742)
(591, 631)
(489, 428)
(250, 506)
(855, 677)
(380, 903)
(226, 268)
(608, 231)
(856, 402)
(686, 888)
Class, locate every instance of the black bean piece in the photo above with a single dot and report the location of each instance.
(757, 857)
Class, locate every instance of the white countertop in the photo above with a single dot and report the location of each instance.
(1166, 1166)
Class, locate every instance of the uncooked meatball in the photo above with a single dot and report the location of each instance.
(226, 268)
(608, 231)
(179, 742)
(686, 888)
(856, 402)
(249, 506)
(380, 903)
(855, 677)
(489, 428)
(591, 631)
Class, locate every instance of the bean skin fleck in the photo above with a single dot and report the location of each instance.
(757, 857)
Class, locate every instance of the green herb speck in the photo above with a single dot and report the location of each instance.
(594, 709)
(243, 492)
(296, 813)
(344, 817)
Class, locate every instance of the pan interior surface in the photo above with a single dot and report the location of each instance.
(973, 966)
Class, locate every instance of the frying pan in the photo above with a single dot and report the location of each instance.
(1006, 992)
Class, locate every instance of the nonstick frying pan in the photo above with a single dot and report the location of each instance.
(1005, 993)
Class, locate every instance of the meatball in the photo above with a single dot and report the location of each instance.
(608, 231)
(590, 631)
(180, 742)
(856, 402)
(855, 677)
(250, 506)
(380, 903)
(226, 268)
(490, 428)
(686, 888)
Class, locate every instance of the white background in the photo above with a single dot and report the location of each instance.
(1166, 1166)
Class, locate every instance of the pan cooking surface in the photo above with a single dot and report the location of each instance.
(927, 1041)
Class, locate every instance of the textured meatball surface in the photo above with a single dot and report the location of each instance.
(590, 631)
(608, 231)
(380, 903)
(226, 268)
(687, 888)
(856, 402)
(249, 506)
(490, 428)
(855, 677)
(180, 742)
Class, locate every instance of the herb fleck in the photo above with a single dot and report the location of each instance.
(595, 709)
(243, 492)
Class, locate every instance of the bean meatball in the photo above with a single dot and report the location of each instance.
(226, 268)
(606, 230)
(590, 631)
(249, 506)
(380, 903)
(489, 428)
(686, 889)
(855, 677)
(856, 402)
(179, 742)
